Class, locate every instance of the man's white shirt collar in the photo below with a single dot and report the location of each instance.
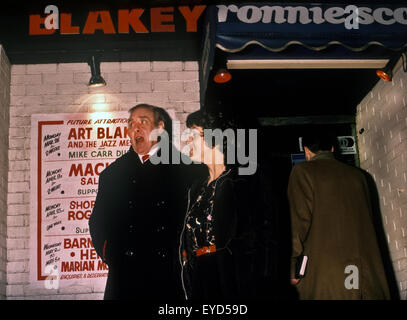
(152, 151)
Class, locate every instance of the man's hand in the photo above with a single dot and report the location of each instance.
(294, 282)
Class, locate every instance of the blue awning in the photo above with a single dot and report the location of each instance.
(275, 27)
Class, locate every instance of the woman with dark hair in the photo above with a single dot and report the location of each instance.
(226, 236)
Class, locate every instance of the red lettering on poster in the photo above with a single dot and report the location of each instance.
(90, 169)
(79, 133)
(73, 266)
(82, 204)
(77, 243)
(88, 254)
(104, 133)
(79, 215)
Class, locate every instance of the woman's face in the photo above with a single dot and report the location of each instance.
(197, 144)
(199, 151)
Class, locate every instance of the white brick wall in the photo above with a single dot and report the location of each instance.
(383, 153)
(4, 124)
(62, 88)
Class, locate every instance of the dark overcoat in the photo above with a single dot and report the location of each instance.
(244, 264)
(134, 222)
(331, 218)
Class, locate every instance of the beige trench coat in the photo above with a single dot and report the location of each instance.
(331, 223)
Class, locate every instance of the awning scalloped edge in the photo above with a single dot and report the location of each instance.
(359, 49)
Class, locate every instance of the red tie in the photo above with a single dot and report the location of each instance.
(145, 157)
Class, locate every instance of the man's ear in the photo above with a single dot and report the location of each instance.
(308, 153)
(161, 125)
(332, 149)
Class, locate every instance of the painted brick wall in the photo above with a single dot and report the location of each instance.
(383, 153)
(62, 88)
(4, 124)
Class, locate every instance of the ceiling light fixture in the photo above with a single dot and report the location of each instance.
(96, 79)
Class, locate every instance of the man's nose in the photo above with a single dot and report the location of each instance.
(132, 130)
(135, 127)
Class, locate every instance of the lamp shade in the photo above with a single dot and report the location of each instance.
(96, 79)
(222, 76)
(384, 75)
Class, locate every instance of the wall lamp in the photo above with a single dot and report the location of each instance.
(96, 80)
(386, 73)
(222, 76)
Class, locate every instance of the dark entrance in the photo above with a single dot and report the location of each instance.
(283, 105)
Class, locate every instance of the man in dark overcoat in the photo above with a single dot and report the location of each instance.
(138, 208)
(331, 217)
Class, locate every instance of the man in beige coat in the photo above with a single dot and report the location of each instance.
(331, 218)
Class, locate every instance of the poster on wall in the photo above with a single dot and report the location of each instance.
(68, 153)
